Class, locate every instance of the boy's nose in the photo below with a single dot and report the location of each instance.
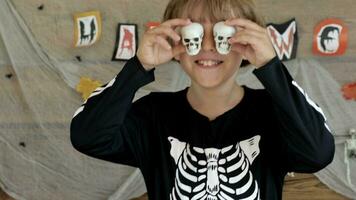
(208, 43)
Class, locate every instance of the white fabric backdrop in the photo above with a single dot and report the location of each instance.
(37, 104)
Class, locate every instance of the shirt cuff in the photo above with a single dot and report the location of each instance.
(275, 61)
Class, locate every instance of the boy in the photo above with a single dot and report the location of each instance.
(215, 139)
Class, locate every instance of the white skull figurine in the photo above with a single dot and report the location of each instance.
(222, 33)
(192, 36)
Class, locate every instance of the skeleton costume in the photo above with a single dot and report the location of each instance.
(242, 154)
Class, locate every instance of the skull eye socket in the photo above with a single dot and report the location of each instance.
(196, 39)
(186, 40)
(220, 37)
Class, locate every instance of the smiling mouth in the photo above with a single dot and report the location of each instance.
(208, 63)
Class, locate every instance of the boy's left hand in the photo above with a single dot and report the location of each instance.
(251, 41)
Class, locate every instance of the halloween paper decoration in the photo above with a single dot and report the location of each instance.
(87, 28)
(350, 153)
(351, 144)
(126, 42)
(79, 58)
(40, 7)
(23, 144)
(9, 75)
(222, 33)
(284, 38)
(330, 38)
(349, 91)
(86, 86)
(192, 37)
(151, 25)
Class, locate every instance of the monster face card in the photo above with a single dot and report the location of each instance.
(284, 38)
(87, 28)
(330, 38)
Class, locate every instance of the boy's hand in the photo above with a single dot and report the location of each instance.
(251, 41)
(154, 49)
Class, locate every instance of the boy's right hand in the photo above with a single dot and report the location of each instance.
(154, 48)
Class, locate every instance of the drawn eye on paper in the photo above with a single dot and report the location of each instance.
(126, 42)
(87, 28)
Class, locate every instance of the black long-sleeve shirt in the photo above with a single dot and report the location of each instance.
(242, 154)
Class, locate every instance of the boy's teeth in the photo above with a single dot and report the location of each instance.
(208, 62)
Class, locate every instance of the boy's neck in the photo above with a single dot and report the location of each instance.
(212, 102)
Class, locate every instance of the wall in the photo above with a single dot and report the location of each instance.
(53, 26)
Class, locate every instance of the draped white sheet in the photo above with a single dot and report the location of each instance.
(37, 160)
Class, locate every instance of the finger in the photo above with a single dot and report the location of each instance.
(176, 43)
(163, 43)
(239, 48)
(245, 50)
(245, 39)
(178, 49)
(254, 33)
(168, 32)
(245, 23)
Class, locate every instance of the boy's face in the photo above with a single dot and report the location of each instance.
(209, 69)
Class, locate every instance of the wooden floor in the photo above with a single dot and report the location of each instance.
(300, 187)
(307, 186)
(4, 196)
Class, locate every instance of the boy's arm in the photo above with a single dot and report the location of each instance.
(307, 137)
(107, 125)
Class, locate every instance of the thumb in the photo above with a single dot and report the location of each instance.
(178, 49)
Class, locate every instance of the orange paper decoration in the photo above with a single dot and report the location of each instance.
(349, 91)
(151, 25)
(86, 86)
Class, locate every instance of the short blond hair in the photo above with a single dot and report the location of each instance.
(215, 10)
